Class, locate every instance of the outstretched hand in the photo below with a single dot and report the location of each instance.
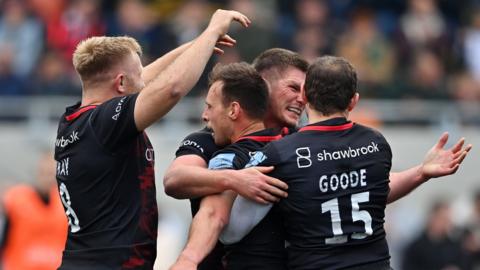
(221, 20)
(441, 162)
(253, 184)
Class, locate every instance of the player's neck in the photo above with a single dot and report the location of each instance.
(95, 96)
(315, 117)
(247, 128)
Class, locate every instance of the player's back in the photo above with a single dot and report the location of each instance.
(337, 174)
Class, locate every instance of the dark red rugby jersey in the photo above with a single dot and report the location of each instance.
(105, 175)
(338, 177)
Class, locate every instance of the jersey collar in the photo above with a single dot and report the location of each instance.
(266, 135)
(73, 112)
(334, 124)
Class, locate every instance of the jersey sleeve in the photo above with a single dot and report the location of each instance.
(198, 143)
(222, 160)
(267, 156)
(113, 121)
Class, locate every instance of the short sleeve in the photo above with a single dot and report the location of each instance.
(199, 143)
(267, 156)
(113, 121)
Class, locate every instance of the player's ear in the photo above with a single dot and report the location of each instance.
(353, 101)
(120, 83)
(234, 110)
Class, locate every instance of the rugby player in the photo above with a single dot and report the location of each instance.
(104, 159)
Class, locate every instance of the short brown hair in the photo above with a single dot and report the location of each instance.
(243, 84)
(280, 59)
(330, 84)
(96, 55)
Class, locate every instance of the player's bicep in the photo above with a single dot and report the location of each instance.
(153, 104)
(188, 160)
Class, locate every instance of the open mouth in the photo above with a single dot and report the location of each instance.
(295, 110)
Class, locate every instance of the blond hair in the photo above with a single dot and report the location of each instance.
(94, 56)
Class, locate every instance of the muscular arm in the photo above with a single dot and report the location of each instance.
(156, 67)
(165, 90)
(188, 177)
(438, 162)
(205, 229)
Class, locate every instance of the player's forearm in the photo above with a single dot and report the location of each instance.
(186, 182)
(402, 183)
(204, 231)
(160, 64)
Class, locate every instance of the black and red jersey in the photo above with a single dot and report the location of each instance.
(338, 177)
(264, 247)
(105, 175)
(202, 144)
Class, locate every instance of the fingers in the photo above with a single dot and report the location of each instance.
(268, 198)
(459, 159)
(277, 183)
(276, 192)
(442, 141)
(264, 169)
(458, 146)
(218, 51)
(242, 19)
(228, 39)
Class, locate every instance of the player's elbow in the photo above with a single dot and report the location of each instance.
(171, 186)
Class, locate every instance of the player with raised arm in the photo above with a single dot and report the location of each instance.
(104, 158)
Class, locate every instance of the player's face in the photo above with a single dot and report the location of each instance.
(216, 115)
(133, 74)
(286, 103)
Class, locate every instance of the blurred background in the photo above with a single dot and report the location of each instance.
(418, 63)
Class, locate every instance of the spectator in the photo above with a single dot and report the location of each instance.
(80, 20)
(52, 77)
(472, 45)
(422, 27)
(369, 51)
(437, 247)
(133, 18)
(18, 33)
(11, 84)
(36, 227)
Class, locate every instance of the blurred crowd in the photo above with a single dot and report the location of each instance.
(420, 49)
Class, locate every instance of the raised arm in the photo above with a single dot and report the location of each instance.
(163, 92)
(438, 162)
(205, 229)
(156, 67)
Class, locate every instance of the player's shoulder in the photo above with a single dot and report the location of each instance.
(369, 131)
(201, 136)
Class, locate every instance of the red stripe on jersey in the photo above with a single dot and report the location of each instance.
(261, 138)
(328, 128)
(76, 114)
